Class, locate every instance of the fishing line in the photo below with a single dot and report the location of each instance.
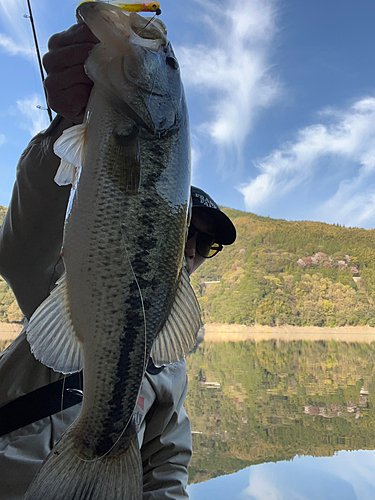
(141, 296)
(153, 83)
(114, 444)
(144, 362)
(149, 22)
(143, 312)
(62, 399)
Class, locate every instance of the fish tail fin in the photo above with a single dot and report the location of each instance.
(115, 476)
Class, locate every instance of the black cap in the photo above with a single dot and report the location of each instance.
(225, 232)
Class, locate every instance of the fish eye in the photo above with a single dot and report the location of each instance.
(154, 6)
(172, 62)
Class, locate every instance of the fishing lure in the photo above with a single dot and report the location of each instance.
(133, 6)
(136, 6)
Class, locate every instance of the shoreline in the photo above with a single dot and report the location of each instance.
(9, 331)
(217, 332)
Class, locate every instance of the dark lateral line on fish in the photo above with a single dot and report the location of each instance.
(41, 403)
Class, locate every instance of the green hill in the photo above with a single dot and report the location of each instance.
(286, 272)
(9, 310)
(281, 272)
(2, 213)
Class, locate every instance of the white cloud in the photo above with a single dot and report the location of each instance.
(357, 469)
(13, 11)
(10, 46)
(35, 119)
(349, 136)
(233, 71)
(195, 156)
(261, 487)
(352, 205)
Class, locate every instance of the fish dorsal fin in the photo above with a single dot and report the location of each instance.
(51, 334)
(70, 146)
(125, 161)
(179, 334)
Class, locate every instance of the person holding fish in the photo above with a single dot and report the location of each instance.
(112, 310)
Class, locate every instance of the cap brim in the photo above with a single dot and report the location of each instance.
(225, 232)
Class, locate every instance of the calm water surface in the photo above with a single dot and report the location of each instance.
(346, 476)
(275, 421)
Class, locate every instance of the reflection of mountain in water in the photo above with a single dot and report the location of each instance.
(253, 402)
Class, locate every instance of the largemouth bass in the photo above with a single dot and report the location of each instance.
(126, 293)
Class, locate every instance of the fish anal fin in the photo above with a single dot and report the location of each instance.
(179, 333)
(51, 335)
(125, 165)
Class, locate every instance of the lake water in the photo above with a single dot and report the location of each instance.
(282, 420)
(346, 476)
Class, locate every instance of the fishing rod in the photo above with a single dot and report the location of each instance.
(133, 5)
(39, 58)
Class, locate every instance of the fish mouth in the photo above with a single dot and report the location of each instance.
(148, 32)
(113, 26)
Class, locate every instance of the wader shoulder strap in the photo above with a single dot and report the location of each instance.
(41, 403)
(46, 401)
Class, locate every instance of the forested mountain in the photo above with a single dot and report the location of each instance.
(281, 272)
(285, 272)
(2, 213)
(9, 310)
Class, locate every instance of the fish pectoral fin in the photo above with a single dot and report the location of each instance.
(126, 163)
(66, 174)
(70, 146)
(51, 334)
(179, 334)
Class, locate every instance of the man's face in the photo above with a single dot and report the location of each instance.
(203, 223)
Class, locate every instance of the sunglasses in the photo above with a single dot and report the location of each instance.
(205, 243)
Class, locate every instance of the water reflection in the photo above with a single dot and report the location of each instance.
(346, 476)
(252, 403)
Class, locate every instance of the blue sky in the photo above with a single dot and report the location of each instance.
(281, 97)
